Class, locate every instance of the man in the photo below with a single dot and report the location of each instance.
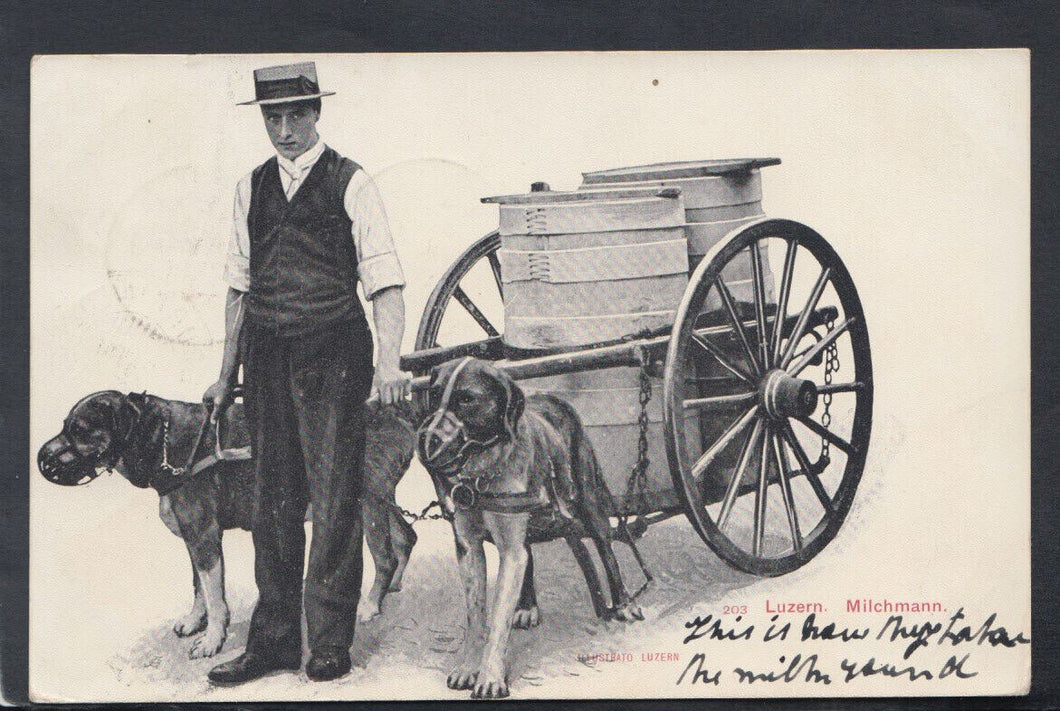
(308, 225)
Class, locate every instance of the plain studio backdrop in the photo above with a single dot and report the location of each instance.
(914, 165)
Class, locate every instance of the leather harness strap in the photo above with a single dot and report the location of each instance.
(510, 503)
(169, 480)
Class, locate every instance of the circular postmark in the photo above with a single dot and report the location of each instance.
(164, 256)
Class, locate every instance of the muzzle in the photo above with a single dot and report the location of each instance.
(61, 463)
(442, 442)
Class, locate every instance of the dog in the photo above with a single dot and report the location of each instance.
(148, 440)
(512, 470)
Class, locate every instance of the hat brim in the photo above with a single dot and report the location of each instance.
(286, 99)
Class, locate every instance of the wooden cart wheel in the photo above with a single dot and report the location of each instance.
(449, 288)
(767, 459)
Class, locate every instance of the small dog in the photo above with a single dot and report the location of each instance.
(145, 438)
(512, 470)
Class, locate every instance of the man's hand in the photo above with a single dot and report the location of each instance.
(390, 386)
(219, 396)
(388, 310)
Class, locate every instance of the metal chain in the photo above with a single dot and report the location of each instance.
(638, 478)
(423, 515)
(175, 471)
(831, 366)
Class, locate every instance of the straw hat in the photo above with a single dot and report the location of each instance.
(286, 83)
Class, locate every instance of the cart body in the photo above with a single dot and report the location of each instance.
(658, 301)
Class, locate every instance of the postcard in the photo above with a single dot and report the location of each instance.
(688, 375)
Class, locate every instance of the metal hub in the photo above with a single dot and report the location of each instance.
(784, 396)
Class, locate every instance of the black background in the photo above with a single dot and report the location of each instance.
(404, 26)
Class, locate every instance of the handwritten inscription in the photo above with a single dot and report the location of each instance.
(907, 635)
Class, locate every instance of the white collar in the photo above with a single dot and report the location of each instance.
(295, 168)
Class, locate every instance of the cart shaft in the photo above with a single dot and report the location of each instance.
(616, 356)
(632, 353)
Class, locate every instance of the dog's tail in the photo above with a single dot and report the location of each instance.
(585, 469)
(589, 471)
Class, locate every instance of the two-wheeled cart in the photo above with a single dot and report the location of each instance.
(672, 273)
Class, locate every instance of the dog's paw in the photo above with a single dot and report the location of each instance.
(368, 610)
(208, 644)
(395, 586)
(628, 612)
(490, 684)
(525, 619)
(190, 624)
(463, 677)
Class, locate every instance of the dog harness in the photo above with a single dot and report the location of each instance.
(67, 466)
(473, 492)
(469, 490)
(169, 478)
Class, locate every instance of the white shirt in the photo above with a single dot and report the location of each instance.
(378, 266)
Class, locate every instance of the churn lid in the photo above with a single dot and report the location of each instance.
(545, 196)
(680, 169)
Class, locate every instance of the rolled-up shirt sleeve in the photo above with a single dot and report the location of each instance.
(378, 266)
(237, 259)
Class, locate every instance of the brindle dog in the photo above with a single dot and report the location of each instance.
(512, 470)
(144, 438)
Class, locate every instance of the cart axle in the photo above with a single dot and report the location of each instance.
(784, 396)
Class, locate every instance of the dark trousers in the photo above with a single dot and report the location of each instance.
(305, 406)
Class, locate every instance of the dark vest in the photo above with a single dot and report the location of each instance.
(303, 263)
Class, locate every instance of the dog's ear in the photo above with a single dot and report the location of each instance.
(432, 399)
(515, 402)
(123, 413)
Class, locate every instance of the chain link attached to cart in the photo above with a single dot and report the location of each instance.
(638, 477)
(831, 366)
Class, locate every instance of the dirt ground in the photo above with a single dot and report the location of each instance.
(422, 625)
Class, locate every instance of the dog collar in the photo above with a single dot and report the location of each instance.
(467, 496)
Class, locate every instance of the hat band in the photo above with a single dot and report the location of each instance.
(291, 88)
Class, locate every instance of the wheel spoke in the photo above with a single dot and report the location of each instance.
(782, 299)
(804, 318)
(722, 442)
(480, 318)
(719, 400)
(840, 388)
(807, 468)
(730, 309)
(785, 490)
(738, 474)
(821, 345)
(760, 495)
(495, 266)
(721, 357)
(760, 305)
(835, 439)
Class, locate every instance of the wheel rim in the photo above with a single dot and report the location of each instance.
(739, 443)
(449, 289)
